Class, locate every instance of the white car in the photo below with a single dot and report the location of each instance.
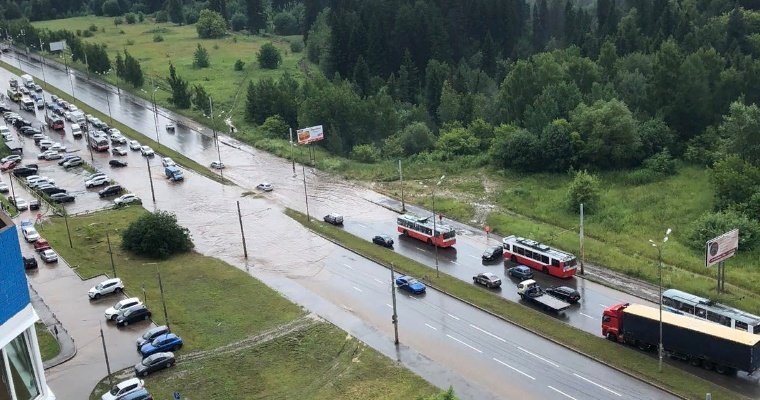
(49, 256)
(3, 187)
(57, 147)
(119, 308)
(217, 165)
(42, 181)
(170, 126)
(30, 234)
(67, 115)
(108, 286)
(147, 151)
(265, 186)
(73, 163)
(73, 108)
(31, 178)
(13, 157)
(53, 156)
(22, 205)
(45, 144)
(94, 175)
(123, 388)
(119, 151)
(96, 181)
(126, 199)
(134, 145)
(167, 162)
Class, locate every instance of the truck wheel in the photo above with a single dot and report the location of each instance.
(611, 336)
(708, 365)
(695, 361)
(724, 370)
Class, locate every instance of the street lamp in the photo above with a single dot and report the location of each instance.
(659, 260)
(435, 232)
(155, 110)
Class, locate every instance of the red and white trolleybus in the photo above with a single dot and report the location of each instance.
(422, 229)
(539, 256)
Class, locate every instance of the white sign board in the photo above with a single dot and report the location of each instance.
(721, 247)
(310, 134)
(58, 46)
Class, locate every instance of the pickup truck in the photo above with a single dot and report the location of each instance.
(530, 291)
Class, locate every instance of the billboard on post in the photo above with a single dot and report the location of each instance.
(721, 247)
(58, 46)
(310, 134)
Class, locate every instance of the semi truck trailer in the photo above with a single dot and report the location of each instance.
(701, 343)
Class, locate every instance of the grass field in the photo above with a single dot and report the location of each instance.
(319, 361)
(49, 347)
(633, 361)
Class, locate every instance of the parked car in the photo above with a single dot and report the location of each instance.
(4, 187)
(24, 171)
(118, 151)
(493, 253)
(335, 219)
(134, 145)
(30, 262)
(122, 388)
(133, 315)
(410, 284)
(146, 151)
(139, 394)
(68, 157)
(154, 363)
(167, 162)
(126, 199)
(520, 272)
(487, 279)
(51, 190)
(37, 88)
(265, 186)
(108, 286)
(117, 163)
(93, 175)
(30, 234)
(565, 293)
(52, 155)
(21, 205)
(49, 256)
(62, 198)
(96, 181)
(74, 162)
(41, 245)
(34, 204)
(151, 334)
(8, 165)
(383, 240)
(217, 165)
(162, 343)
(121, 307)
(12, 157)
(110, 191)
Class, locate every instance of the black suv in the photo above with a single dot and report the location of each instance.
(568, 294)
(112, 190)
(140, 313)
(24, 171)
(493, 253)
(30, 263)
(335, 219)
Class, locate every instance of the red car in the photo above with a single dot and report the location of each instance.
(41, 245)
(9, 165)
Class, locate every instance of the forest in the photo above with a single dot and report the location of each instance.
(540, 86)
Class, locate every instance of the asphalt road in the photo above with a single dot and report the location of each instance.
(247, 167)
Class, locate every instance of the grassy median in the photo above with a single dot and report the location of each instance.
(217, 309)
(626, 359)
(49, 346)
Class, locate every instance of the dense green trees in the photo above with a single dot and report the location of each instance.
(210, 25)
(179, 87)
(156, 235)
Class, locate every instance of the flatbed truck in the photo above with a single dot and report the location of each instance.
(530, 291)
(701, 343)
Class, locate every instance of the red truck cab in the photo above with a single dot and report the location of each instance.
(41, 245)
(612, 322)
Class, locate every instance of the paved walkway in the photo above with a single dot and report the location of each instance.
(65, 341)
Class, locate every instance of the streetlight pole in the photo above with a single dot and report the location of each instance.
(435, 232)
(161, 289)
(150, 177)
(110, 252)
(660, 349)
(44, 79)
(401, 180)
(306, 196)
(105, 353)
(394, 317)
(155, 109)
(216, 135)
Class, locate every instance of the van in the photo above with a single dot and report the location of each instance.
(27, 104)
(76, 131)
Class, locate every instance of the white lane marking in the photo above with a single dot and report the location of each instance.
(348, 266)
(603, 306)
(454, 262)
(357, 289)
(586, 315)
(488, 333)
(561, 392)
(453, 338)
(454, 316)
(513, 368)
(596, 384)
(389, 306)
(474, 256)
(419, 248)
(537, 356)
(378, 280)
(431, 326)
(362, 225)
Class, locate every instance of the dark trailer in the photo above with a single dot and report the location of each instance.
(14, 146)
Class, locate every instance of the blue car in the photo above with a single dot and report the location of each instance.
(410, 284)
(166, 342)
(521, 272)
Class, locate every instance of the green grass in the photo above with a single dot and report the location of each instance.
(634, 362)
(320, 362)
(49, 346)
(234, 305)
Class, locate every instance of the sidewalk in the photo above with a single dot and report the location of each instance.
(68, 347)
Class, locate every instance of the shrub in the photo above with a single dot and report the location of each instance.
(130, 42)
(156, 235)
(274, 127)
(200, 58)
(286, 24)
(584, 189)
(365, 153)
(296, 46)
(118, 21)
(238, 21)
(130, 17)
(93, 28)
(712, 224)
(661, 163)
(210, 25)
(191, 17)
(88, 34)
(162, 16)
(140, 16)
(111, 8)
(239, 64)
(158, 38)
(269, 57)
(79, 32)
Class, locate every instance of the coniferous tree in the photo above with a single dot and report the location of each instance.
(255, 13)
(132, 70)
(119, 65)
(219, 6)
(201, 99)
(180, 94)
(200, 58)
(174, 9)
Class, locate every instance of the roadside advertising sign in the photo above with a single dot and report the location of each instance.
(310, 134)
(721, 247)
(58, 46)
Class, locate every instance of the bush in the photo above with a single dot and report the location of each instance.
(286, 24)
(296, 46)
(162, 16)
(158, 38)
(661, 163)
(140, 16)
(365, 153)
(210, 25)
(238, 22)
(156, 235)
(710, 225)
(118, 21)
(275, 127)
(269, 57)
(111, 8)
(584, 189)
(130, 17)
(130, 42)
(93, 28)
(191, 17)
(239, 64)
(88, 34)
(200, 58)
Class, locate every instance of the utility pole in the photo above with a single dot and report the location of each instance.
(44, 79)
(394, 318)
(68, 232)
(401, 179)
(105, 352)
(306, 196)
(581, 238)
(292, 157)
(87, 65)
(108, 101)
(161, 289)
(216, 137)
(150, 177)
(155, 109)
(242, 232)
(13, 192)
(110, 252)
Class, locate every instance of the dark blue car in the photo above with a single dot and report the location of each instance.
(410, 284)
(165, 342)
(521, 272)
